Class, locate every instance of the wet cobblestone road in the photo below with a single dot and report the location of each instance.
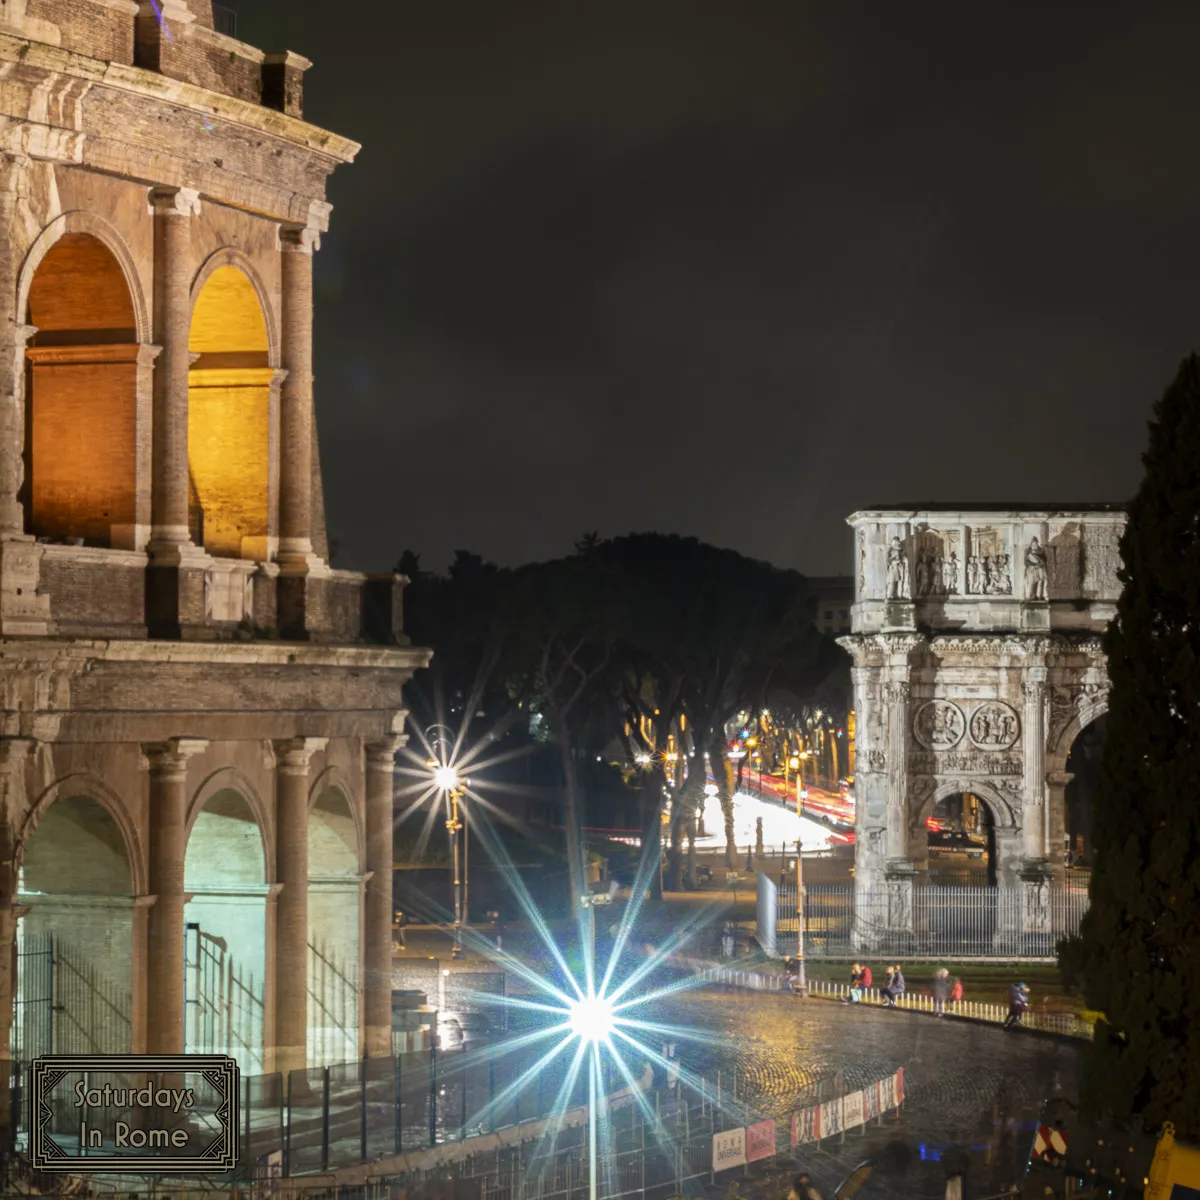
(969, 1088)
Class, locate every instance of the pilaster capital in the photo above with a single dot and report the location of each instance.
(1034, 690)
(898, 690)
(299, 239)
(278, 376)
(174, 202)
(292, 755)
(381, 755)
(169, 759)
(1059, 778)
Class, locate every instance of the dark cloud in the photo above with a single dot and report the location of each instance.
(734, 270)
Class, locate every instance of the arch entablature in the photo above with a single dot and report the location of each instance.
(236, 780)
(82, 221)
(231, 256)
(92, 787)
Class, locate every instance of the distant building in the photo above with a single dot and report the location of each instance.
(835, 595)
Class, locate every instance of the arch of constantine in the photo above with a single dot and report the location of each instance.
(976, 663)
(198, 715)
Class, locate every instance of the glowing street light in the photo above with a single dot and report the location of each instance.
(591, 1018)
(446, 780)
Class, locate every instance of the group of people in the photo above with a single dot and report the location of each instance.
(944, 988)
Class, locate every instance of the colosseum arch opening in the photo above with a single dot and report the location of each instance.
(75, 943)
(230, 419)
(225, 930)
(334, 906)
(81, 444)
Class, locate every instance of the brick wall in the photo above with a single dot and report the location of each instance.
(88, 592)
(83, 443)
(89, 27)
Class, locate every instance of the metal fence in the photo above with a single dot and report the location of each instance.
(934, 921)
(1068, 1023)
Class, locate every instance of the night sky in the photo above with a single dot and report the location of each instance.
(736, 269)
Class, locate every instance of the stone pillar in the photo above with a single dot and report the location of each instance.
(175, 580)
(299, 567)
(898, 693)
(291, 912)
(13, 331)
(1033, 810)
(1056, 813)
(14, 756)
(168, 846)
(377, 950)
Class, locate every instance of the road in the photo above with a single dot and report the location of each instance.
(968, 1086)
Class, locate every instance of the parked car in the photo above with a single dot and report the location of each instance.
(955, 840)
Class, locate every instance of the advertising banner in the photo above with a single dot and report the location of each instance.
(806, 1126)
(887, 1094)
(852, 1110)
(899, 1087)
(831, 1118)
(760, 1141)
(870, 1103)
(729, 1149)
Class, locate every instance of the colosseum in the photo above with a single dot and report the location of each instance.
(200, 716)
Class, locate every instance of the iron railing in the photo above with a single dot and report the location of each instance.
(942, 922)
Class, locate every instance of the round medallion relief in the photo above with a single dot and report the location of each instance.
(939, 725)
(994, 726)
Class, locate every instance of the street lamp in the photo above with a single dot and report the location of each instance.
(591, 1018)
(446, 779)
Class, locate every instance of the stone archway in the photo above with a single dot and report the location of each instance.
(976, 651)
(225, 924)
(75, 944)
(233, 414)
(87, 390)
(334, 923)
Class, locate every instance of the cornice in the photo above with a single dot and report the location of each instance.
(153, 86)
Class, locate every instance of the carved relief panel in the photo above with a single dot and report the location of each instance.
(994, 726)
(1101, 562)
(989, 563)
(937, 563)
(938, 725)
(1064, 563)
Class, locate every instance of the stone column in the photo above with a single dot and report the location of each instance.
(377, 949)
(298, 565)
(1033, 814)
(14, 756)
(1056, 813)
(168, 846)
(13, 168)
(292, 760)
(175, 589)
(898, 693)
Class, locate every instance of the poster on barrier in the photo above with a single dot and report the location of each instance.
(899, 1087)
(806, 1126)
(831, 1118)
(729, 1149)
(870, 1103)
(760, 1141)
(887, 1094)
(852, 1110)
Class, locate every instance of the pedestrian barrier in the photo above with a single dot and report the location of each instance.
(1047, 1022)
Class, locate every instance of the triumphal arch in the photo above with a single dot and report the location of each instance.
(198, 715)
(977, 663)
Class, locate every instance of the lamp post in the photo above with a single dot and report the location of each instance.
(447, 780)
(801, 981)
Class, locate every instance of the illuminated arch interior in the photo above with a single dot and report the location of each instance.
(81, 392)
(333, 929)
(226, 932)
(76, 943)
(229, 418)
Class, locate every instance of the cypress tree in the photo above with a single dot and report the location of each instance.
(1138, 952)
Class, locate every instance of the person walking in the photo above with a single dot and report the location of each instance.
(1018, 1002)
(941, 991)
